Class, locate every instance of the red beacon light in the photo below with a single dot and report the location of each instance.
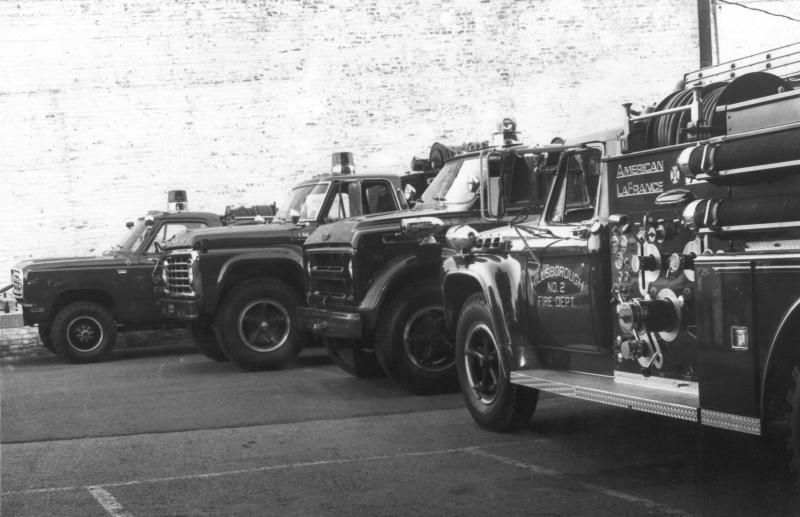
(342, 163)
(177, 201)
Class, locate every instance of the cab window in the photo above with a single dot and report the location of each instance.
(526, 187)
(378, 197)
(577, 189)
(169, 230)
(339, 207)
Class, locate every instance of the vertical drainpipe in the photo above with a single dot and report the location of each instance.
(705, 33)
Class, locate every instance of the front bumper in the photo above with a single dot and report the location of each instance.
(179, 309)
(32, 314)
(338, 324)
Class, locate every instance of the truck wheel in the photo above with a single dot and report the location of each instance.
(83, 332)
(256, 325)
(494, 403)
(206, 341)
(351, 356)
(412, 342)
(44, 337)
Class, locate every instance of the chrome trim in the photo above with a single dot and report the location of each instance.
(742, 424)
(657, 382)
(17, 283)
(177, 274)
(728, 258)
(790, 244)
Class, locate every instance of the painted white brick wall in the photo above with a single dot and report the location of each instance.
(107, 105)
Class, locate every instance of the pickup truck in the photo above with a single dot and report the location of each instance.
(80, 303)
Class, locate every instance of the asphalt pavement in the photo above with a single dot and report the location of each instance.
(165, 431)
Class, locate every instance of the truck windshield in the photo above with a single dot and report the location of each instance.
(454, 183)
(305, 201)
(128, 240)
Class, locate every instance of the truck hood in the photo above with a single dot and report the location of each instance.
(248, 236)
(56, 263)
(342, 232)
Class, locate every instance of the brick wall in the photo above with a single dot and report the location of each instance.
(107, 105)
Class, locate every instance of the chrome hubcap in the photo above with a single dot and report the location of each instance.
(84, 333)
(264, 325)
(482, 363)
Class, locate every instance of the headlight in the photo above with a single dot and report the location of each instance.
(461, 237)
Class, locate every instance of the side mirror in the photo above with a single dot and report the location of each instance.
(410, 194)
(295, 215)
(129, 224)
(473, 184)
(493, 202)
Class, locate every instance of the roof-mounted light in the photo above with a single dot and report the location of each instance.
(177, 201)
(506, 131)
(342, 163)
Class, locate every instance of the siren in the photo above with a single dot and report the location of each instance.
(177, 201)
(342, 163)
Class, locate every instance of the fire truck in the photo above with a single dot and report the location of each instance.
(373, 282)
(663, 275)
(79, 303)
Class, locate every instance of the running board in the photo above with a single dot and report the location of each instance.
(657, 395)
(667, 397)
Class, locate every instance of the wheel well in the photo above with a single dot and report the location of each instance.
(785, 355)
(456, 291)
(409, 276)
(84, 295)
(285, 271)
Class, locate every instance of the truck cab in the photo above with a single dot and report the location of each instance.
(239, 288)
(677, 293)
(79, 303)
(373, 289)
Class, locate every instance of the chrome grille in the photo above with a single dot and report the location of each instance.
(329, 274)
(176, 274)
(17, 282)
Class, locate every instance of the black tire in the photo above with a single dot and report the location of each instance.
(44, 337)
(83, 332)
(205, 340)
(412, 342)
(353, 357)
(257, 327)
(494, 403)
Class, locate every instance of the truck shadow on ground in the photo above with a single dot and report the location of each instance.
(716, 472)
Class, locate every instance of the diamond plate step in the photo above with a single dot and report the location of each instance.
(675, 399)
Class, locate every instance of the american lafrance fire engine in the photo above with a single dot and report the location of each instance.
(664, 273)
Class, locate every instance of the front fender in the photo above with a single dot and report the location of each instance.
(263, 259)
(502, 280)
(387, 278)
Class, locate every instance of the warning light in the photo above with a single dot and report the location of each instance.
(176, 201)
(342, 163)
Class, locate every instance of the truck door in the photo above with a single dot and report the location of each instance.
(566, 291)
